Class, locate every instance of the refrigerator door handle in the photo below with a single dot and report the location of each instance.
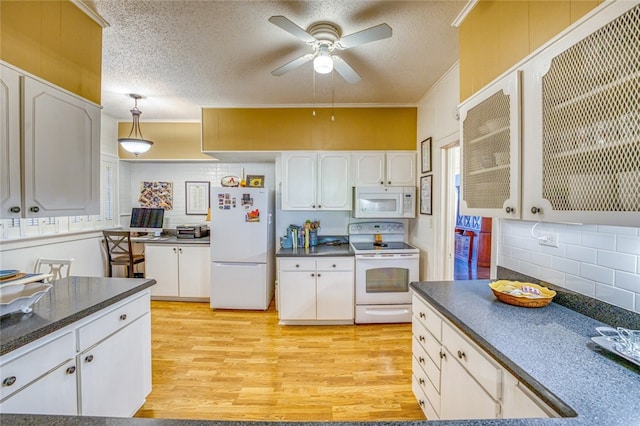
(270, 218)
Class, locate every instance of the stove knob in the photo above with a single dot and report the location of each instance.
(359, 227)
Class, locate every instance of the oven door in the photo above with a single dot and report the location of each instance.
(383, 279)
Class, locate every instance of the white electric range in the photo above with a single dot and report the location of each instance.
(385, 265)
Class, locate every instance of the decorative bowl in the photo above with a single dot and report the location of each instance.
(527, 295)
(21, 297)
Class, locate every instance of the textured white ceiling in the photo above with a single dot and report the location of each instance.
(184, 55)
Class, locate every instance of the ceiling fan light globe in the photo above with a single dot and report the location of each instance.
(323, 64)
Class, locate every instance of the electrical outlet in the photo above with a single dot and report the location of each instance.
(549, 239)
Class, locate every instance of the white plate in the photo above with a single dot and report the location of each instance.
(611, 346)
(21, 297)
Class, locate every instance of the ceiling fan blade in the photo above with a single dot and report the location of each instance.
(292, 28)
(290, 66)
(345, 70)
(376, 33)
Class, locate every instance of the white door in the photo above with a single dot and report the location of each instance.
(368, 168)
(299, 180)
(195, 271)
(297, 295)
(239, 228)
(334, 292)
(55, 393)
(334, 190)
(401, 169)
(10, 195)
(239, 286)
(161, 264)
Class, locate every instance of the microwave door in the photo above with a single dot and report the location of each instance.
(378, 205)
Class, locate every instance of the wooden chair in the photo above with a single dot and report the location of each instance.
(59, 268)
(119, 252)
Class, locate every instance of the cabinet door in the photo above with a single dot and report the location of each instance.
(297, 295)
(61, 163)
(10, 195)
(54, 394)
(299, 181)
(461, 396)
(519, 402)
(401, 169)
(195, 271)
(583, 142)
(490, 150)
(115, 374)
(334, 189)
(161, 264)
(368, 168)
(334, 292)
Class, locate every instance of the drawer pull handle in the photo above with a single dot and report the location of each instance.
(34, 209)
(71, 369)
(319, 275)
(313, 275)
(421, 381)
(510, 210)
(421, 402)
(461, 355)
(297, 266)
(89, 358)
(15, 209)
(421, 338)
(422, 315)
(123, 317)
(443, 355)
(421, 360)
(536, 210)
(9, 381)
(334, 265)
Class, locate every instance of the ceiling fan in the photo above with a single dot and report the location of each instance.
(324, 38)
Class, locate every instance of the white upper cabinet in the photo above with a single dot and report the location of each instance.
(582, 147)
(490, 129)
(60, 167)
(316, 181)
(380, 168)
(580, 130)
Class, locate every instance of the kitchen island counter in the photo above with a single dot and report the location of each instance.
(69, 300)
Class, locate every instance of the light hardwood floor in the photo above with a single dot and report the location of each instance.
(241, 365)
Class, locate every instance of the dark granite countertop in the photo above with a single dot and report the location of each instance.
(70, 300)
(341, 250)
(548, 348)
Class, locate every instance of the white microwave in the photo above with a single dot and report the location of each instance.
(384, 202)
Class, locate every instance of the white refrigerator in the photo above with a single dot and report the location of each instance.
(242, 248)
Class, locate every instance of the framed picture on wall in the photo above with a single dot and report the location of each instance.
(425, 194)
(425, 149)
(197, 197)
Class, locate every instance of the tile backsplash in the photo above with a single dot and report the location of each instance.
(602, 262)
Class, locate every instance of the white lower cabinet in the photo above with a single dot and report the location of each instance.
(113, 373)
(316, 289)
(108, 374)
(180, 271)
(454, 379)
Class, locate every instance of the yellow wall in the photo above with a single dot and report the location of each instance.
(277, 129)
(499, 33)
(171, 141)
(53, 40)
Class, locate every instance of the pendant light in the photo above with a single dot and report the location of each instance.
(136, 144)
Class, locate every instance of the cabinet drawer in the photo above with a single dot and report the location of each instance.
(426, 340)
(431, 320)
(297, 264)
(112, 321)
(427, 388)
(35, 363)
(431, 369)
(473, 359)
(334, 264)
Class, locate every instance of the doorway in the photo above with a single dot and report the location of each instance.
(470, 240)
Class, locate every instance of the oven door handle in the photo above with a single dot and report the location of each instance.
(386, 312)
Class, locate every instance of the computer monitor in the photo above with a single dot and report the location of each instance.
(147, 220)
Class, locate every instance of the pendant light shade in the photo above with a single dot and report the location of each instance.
(135, 142)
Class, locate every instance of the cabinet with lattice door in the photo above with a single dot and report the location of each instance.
(582, 123)
(490, 150)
